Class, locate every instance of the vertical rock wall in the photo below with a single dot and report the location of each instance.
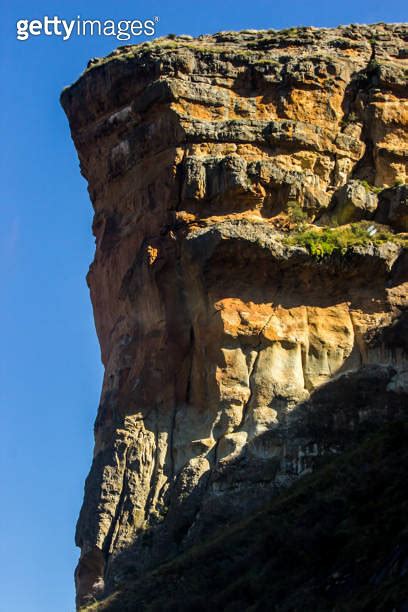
(237, 347)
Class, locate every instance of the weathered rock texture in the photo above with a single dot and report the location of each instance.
(234, 356)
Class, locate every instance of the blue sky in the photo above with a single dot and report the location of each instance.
(50, 372)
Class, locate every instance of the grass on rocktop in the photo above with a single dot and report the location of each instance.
(326, 241)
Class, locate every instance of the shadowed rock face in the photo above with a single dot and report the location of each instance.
(233, 357)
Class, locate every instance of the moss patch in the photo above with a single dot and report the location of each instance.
(371, 188)
(327, 241)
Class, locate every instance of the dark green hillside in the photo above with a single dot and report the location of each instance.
(336, 541)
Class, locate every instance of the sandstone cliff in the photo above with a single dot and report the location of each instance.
(250, 276)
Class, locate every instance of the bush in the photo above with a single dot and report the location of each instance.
(370, 188)
(295, 212)
(324, 242)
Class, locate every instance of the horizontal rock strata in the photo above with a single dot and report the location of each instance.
(236, 353)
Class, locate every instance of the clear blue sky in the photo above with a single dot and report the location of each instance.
(50, 373)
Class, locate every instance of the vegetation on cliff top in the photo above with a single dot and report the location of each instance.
(245, 43)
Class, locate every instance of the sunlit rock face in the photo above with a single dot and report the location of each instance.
(235, 356)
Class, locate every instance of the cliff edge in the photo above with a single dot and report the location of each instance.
(250, 277)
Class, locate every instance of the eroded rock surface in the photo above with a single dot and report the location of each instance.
(234, 357)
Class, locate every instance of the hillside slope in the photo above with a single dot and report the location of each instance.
(337, 540)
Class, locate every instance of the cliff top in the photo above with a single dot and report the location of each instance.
(262, 48)
(252, 42)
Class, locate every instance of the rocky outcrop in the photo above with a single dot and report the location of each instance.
(236, 355)
(393, 208)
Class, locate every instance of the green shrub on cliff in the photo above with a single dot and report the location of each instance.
(371, 188)
(295, 212)
(326, 241)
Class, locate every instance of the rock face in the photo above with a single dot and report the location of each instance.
(235, 356)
